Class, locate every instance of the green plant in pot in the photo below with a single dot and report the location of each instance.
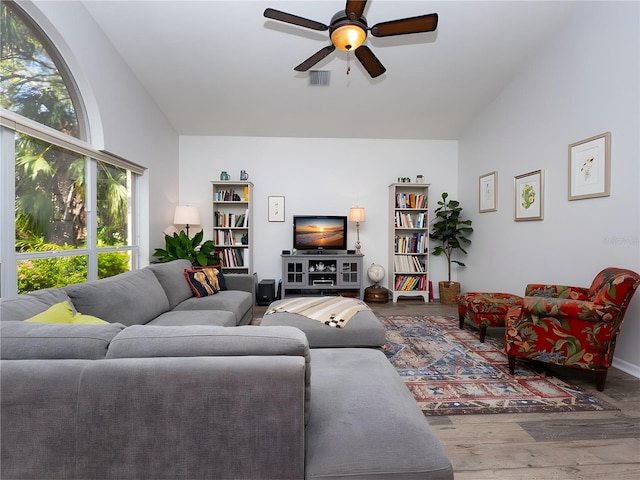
(180, 246)
(451, 231)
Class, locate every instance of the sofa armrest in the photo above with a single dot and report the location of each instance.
(240, 281)
(568, 309)
(556, 291)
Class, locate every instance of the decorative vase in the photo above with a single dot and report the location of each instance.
(448, 292)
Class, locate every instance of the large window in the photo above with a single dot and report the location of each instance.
(73, 216)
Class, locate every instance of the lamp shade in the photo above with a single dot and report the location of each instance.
(186, 215)
(356, 214)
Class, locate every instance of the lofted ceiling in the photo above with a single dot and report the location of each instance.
(222, 68)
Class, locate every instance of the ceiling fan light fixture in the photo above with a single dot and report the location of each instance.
(348, 37)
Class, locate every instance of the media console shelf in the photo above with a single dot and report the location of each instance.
(326, 274)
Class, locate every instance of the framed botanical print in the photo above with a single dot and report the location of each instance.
(276, 208)
(528, 196)
(488, 192)
(590, 167)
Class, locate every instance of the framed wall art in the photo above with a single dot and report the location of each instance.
(488, 192)
(590, 167)
(276, 208)
(528, 194)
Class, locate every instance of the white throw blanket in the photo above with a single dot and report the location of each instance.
(332, 311)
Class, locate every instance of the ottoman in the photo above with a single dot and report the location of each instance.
(363, 329)
(485, 309)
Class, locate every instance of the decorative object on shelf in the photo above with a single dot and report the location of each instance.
(357, 214)
(528, 196)
(488, 192)
(420, 179)
(224, 176)
(276, 208)
(590, 167)
(186, 215)
(451, 231)
(180, 246)
(244, 176)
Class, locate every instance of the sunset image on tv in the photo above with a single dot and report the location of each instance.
(320, 232)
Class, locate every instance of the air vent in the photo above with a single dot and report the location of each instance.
(319, 77)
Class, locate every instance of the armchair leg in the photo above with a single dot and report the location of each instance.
(601, 377)
(483, 333)
(512, 364)
(461, 318)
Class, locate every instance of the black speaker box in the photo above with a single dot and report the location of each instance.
(266, 292)
(286, 252)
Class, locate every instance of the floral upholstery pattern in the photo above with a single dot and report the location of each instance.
(571, 326)
(485, 309)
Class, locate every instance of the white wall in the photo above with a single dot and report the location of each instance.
(316, 176)
(583, 83)
(123, 118)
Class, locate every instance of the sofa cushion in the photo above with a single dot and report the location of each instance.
(25, 341)
(359, 405)
(201, 283)
(218, 318)
(27, 305)
(171, 277)
(236, 301)
(129, 298)
(63, 313)
(203, 341)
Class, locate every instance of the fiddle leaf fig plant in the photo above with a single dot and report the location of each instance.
(450, 230)
(180, 246)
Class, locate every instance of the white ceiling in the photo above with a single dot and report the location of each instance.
(222, 68)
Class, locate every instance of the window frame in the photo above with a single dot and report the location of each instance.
(12, 123)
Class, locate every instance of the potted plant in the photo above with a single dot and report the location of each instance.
(451, 231)
(180, 246)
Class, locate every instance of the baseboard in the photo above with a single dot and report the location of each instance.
(626, 367)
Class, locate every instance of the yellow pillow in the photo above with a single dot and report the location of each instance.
(62, 313)
(58, 313)
(80, 318)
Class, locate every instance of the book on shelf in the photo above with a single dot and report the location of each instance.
(415, 243)
(411, 200)
(409, 220)
(407, 263)
(231, 257)
(410, 282)
(231, 195)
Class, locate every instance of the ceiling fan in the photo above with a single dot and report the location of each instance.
(348, 30)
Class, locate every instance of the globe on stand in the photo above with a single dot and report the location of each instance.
(375, 293)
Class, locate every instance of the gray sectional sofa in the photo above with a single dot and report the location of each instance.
(168, 391)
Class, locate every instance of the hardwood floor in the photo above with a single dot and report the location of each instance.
(545, 446)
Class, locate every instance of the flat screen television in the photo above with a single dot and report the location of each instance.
(319, 232)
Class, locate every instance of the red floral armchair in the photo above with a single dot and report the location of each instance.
(571, 326)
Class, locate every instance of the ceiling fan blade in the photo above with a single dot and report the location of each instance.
(369, 61)
(315, 58)
(294, 19)
(355, 8)
(404, 26)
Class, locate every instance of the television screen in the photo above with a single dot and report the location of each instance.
(316, 232)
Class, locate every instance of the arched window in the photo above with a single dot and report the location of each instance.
(74, 207)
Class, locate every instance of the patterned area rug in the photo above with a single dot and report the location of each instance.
(450, 372)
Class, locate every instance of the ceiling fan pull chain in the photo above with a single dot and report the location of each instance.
(348, 61)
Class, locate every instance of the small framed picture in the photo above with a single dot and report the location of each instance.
(528, 196)
(276, 208)
(590, 167)
(488, 192)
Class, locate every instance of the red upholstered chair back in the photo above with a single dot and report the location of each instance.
(614, 286)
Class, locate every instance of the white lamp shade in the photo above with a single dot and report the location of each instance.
(186, 215)
(356, 214)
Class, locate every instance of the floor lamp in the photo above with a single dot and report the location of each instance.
(186, 215)
(356, 214)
